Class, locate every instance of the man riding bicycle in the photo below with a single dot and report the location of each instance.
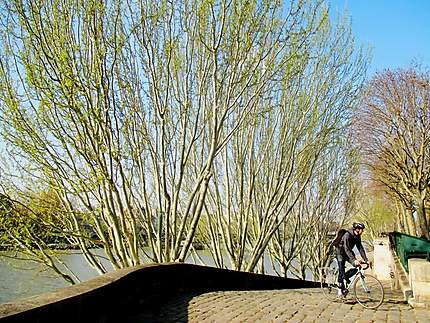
(351, 238)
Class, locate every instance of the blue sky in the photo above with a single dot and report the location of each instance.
(398, 31)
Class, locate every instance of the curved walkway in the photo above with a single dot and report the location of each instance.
(297, 305)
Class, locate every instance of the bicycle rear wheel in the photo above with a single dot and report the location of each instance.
(368, 291)
(329, 275)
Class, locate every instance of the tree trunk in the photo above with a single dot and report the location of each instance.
(410, 223)
(423, 229)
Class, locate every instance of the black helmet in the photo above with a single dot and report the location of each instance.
(358, 225)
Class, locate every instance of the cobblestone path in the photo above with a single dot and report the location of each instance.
(295, 305)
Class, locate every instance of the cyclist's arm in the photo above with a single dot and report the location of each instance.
(361, 250)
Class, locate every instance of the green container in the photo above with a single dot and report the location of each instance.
(408, 246)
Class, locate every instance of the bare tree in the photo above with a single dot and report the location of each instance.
(270, 162)
(394, 129)
(121, 108)
(329, 201)
(204, 83)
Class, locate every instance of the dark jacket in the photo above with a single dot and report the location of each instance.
(347, 243)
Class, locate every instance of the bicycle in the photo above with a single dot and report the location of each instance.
(366, 288)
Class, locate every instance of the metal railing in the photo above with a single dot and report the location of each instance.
(407, 246)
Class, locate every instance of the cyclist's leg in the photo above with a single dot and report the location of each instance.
(351, 272)
(341, 264)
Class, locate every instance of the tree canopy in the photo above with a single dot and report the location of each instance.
(393, 125)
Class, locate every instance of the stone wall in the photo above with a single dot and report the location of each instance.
(110, 297)
(382, 258)
(419, 280)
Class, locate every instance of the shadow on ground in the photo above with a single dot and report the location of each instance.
(175, 309)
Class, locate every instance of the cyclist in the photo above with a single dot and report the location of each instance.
(351, 238)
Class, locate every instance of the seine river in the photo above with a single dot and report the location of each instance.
(21, 279)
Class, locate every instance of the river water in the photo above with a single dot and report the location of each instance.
(21, 279)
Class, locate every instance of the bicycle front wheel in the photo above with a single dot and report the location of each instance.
(368, 291)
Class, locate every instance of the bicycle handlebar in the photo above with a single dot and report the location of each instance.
(364, 265)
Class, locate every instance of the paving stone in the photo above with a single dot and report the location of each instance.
(296, 305)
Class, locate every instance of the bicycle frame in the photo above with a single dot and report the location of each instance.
(359, 275)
